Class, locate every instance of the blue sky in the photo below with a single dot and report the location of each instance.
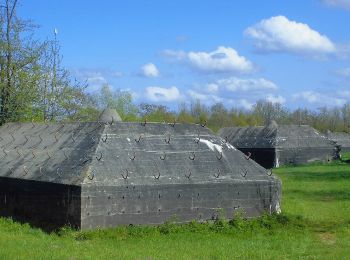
(235, 52)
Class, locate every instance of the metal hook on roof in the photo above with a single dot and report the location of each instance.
(65, 155)
(73, 138)
(189, 175)
(105, 140)
(158, 176)
(111, 123)
(144, 123)
(33, 154)
(197, 140)
(26, 141)
(248, 155)
(91, 176)
(219, 157)
(17, 150)
(245, 171)
(269, 172)
(25, 170)
(47, 152)
(163, 157)
(127, 174)
(56, 138)
(11, 170)
(13, 138)
(59, 171)
(217, 175)
(133, 156)
(3, 149)
(173, 123)
(167, 139)
(225, 140)
(205, 123)
(99, 158)
(138, 139)
(192, 156)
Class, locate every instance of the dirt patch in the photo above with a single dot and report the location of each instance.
(327, 238)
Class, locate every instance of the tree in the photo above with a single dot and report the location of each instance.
(19, 63)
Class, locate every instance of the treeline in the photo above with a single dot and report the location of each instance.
(35, 86)
(218, 116)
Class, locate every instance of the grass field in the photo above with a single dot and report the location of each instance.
(315, 224)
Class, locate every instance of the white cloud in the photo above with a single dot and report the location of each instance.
(206, 98)
(212, 88)
(159, 94)
(150, 70)
(344, 93)
(117, 74)
(174, 55)
(278, 34)
(245, 104)
(314, 97)
(345, 4)
(223, 59)
(276, 99)
(234, 84)
(343, 72)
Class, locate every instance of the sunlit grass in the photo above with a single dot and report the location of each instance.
(315, 224)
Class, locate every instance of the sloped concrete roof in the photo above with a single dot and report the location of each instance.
(341, 138)
(273, 135)
(120, 153)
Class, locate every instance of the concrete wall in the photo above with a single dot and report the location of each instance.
(110, 206)
(305, 155)
(42, 204)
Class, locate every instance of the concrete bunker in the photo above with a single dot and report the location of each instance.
(341, 138)
(90, 175)
(275, 145)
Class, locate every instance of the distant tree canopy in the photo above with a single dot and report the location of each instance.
(35, 86)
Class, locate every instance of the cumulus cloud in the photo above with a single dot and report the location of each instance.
(223, 59)
(160, 94)
(210, 99)
(314, 97)
(275, 99)
(150, 70)
(204, 97)
(235, 84)
(279, 34)
(345, 72)
(345, 4)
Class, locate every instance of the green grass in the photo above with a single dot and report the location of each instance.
(315, 224)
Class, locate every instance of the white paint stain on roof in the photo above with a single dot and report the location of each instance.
(211, 145)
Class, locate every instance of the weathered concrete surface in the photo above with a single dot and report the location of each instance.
(109, 116)
(274, 145)
(341, 138)
(127, 173)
